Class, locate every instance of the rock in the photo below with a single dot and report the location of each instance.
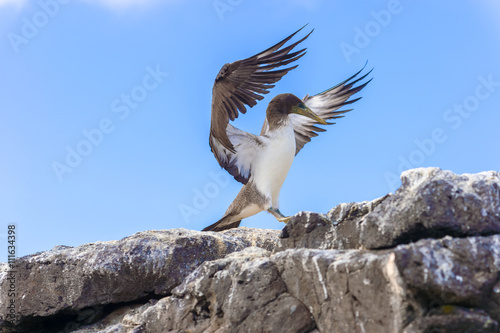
(346, 291)
(339, 229)
(430, 203)
(454, 319)
(307, 230)
(146, 265)
(112, 323)
(435, 203)
(421, 287)
(240, 293)
(264, 238)
(424, 259)
(348, 218)
(461, 271)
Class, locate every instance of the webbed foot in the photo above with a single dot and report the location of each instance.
(278, 215)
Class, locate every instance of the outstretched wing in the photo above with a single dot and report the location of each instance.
(238, 84)
(325, 105)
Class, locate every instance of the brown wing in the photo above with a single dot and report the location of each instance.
(242, 83)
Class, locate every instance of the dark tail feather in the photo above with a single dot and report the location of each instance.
(223, 224)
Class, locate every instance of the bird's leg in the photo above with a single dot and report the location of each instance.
(278, 215)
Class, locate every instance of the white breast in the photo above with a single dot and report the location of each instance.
(273, 162)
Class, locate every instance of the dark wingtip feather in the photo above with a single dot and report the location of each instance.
(347, 81)
(332, 99)
(280, 43)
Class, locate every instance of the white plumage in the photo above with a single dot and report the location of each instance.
(273, 162)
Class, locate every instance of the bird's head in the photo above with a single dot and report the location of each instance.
(285, 104)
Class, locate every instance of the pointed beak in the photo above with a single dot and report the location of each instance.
(303, 110)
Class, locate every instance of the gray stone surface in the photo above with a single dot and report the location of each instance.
(435, 203)
(431, 203)
(240, 293)
(339, 229)
(144, 265)
(445, 285)
(424, 259)
(454, 319)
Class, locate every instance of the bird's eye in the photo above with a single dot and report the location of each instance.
(302, 106)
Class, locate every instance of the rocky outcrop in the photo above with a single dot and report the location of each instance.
(431, 203)
(424, 259)
(71, 283)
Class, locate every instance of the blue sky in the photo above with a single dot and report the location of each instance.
(127, 85)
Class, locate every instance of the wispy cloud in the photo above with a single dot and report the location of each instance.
(111, 4)
(492, 7)
(123, 4)
(12, 3)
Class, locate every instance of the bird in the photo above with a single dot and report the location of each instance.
(261, 162)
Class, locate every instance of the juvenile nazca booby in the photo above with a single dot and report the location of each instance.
(261, 162)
